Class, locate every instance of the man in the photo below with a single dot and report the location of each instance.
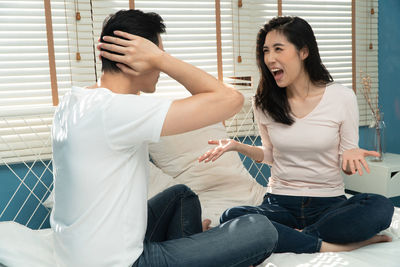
(100, 136)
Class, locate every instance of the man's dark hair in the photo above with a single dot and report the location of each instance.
(147, 25)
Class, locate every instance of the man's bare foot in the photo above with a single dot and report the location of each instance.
(325, 247)
(206, 224)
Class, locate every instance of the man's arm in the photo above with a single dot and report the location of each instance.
(211, 101)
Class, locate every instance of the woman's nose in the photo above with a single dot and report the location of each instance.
(269, 57)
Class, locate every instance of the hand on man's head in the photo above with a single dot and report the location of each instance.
(138, 55)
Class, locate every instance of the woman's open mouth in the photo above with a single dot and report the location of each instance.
(278, 73)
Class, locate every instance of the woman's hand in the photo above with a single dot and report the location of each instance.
(223, 145)
(137, 55)
(354, 159)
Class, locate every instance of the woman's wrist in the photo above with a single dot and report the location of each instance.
(237, 146)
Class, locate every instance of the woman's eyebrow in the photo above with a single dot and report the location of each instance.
(274, 45)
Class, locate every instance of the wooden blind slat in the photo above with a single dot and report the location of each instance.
(50, 49)
(219, 43)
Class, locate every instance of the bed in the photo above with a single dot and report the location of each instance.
(219, 185)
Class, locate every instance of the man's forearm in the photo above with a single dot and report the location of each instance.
(194, 79)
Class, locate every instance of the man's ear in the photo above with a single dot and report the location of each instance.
(304, 53)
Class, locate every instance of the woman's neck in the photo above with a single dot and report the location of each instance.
(300, 88)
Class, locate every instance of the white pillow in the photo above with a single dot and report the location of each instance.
(220, 185)
(49, 202)
(21, 246)
(158, 181)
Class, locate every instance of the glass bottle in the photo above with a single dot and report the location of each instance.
(379, 138)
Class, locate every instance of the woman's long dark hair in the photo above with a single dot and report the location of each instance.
(270, 98)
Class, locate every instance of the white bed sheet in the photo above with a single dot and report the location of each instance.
(376, 255)
(382, 255)
(21, 246)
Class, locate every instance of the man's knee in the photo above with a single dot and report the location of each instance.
(261, 229)
(263, 224)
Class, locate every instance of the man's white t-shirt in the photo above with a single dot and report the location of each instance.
(100, 162)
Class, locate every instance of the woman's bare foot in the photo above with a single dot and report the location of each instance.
(206, 224)
(329, 247)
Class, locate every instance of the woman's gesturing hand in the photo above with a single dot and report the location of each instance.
(137, 55)
(223, 145)
(354, 159)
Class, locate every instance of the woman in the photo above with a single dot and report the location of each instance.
(309, 131)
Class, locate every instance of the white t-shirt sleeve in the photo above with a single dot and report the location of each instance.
(349, 127)
(130, 120)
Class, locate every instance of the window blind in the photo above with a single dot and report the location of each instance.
(26, 109)
(332, 25)
(190, 36)
(24, 72)
(247, 20)
(25, 93)
(366, 53)
(25, 90)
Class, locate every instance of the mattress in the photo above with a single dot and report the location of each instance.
(21, 246)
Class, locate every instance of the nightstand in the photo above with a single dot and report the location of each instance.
(384, 178)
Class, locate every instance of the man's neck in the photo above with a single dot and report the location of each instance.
(118, 83)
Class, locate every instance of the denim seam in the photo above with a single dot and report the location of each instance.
(254, 255)
(162, 214)
(182, 226)
(258, 254)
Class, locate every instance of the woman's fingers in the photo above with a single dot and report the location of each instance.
(371, 153)
(344, 164)
(217, 156)
(358, 167)
(207, 157)
(364, 163)
(216, 152)
(351, 166)
(204, 156)
(211, 155)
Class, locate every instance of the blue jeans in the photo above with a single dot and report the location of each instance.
(331, 219)
(174, 235)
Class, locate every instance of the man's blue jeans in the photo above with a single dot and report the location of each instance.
(331, 219)
(174, 235)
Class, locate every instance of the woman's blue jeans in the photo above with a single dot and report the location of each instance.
(174, 235)
(332, 219)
